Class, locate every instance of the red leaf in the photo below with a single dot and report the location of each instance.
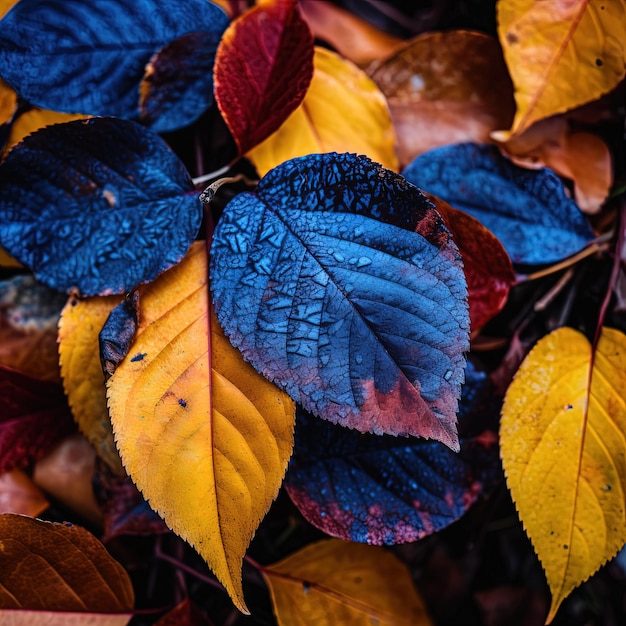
(486, 264)
(263, 69)
(34, 415)
(184, 614)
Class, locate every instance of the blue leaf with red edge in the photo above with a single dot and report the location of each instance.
(85, 57)
(339, 282)
(97, 205)
(527, 210)
(385, 490)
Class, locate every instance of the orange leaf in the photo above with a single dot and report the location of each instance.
(58, 567)
(352, 37)
(343, 111)
(21, 617)
(563, 434)
(209, 451)
(445, 88)
(83, 380)
(18, 494)
(561, 54)
(8, 101)
(337, 582)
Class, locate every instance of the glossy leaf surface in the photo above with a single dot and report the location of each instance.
(561, 54)
(33, 416)
(178, 84)
(204, 437)
(445, 88)
(66, 56)
(320, 279)
(83, 380)
(66, 561)
(343, 111)
(388, 490)
(333, 582)
(263, 69)
(528, 211)
(112, 191)
(562, 438)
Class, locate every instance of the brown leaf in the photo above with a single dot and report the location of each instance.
(445, 88)
(20, 617)
(18, 494)
(58, 567)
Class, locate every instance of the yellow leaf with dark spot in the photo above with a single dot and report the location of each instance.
(561, 54)
(208, 451)
(563, 443)
(338, 582)
(83, 380)
(343, 111)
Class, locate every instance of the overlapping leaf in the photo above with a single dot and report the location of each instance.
(528, 211)
(66, 56)
(333, 582)
(58, 567)
(547, 44)
(387, 490)
(445, 88)
(204, 437)
(83, 380)
(563, 434)
(263, 69)
(33, 416)
(90, 205)
(18, 494)
(338, 281)
(343, 111)
(178, 84)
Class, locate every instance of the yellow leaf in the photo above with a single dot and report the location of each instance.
(8, 101)
(208, 452)
(338, 582)
(5, 5)
(83, 380)
(561, 54)
(563, 445)
(7, 260)
(343, 111)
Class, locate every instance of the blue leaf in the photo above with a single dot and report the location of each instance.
(385, 490)
(97, 205)
(77, 56)
(321, 281)
(527, 210)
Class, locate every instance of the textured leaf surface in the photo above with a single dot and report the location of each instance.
(83, 380)
(66, 56)
(333, 582)
(445, 88)
(178, 84)
(486, 264)
(20, 617)
(18, 494)
(112, 191)
(29, 313)
(204, 437)
(33, 416)
(562, 438)
(528, 211)
(561, 54)
(320, 279)
(263, 69)
(387, 490)
(66, 561)
(343, 111)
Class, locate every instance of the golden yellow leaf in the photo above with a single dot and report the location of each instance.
(208, 452)
(444, 88)
(83, 380)
(6, 260)
(343, 111)
(335, 582)
(561, 54)
(5, 5)
(8, 100)
(563, 446)
(33, 120)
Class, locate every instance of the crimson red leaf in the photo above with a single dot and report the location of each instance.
(34, 415)
(263, 69)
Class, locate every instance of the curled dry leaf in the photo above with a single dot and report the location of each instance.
(561, 54)
(444, 88)
(354, 38)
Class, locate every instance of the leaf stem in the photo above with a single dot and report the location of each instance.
(190, 570)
